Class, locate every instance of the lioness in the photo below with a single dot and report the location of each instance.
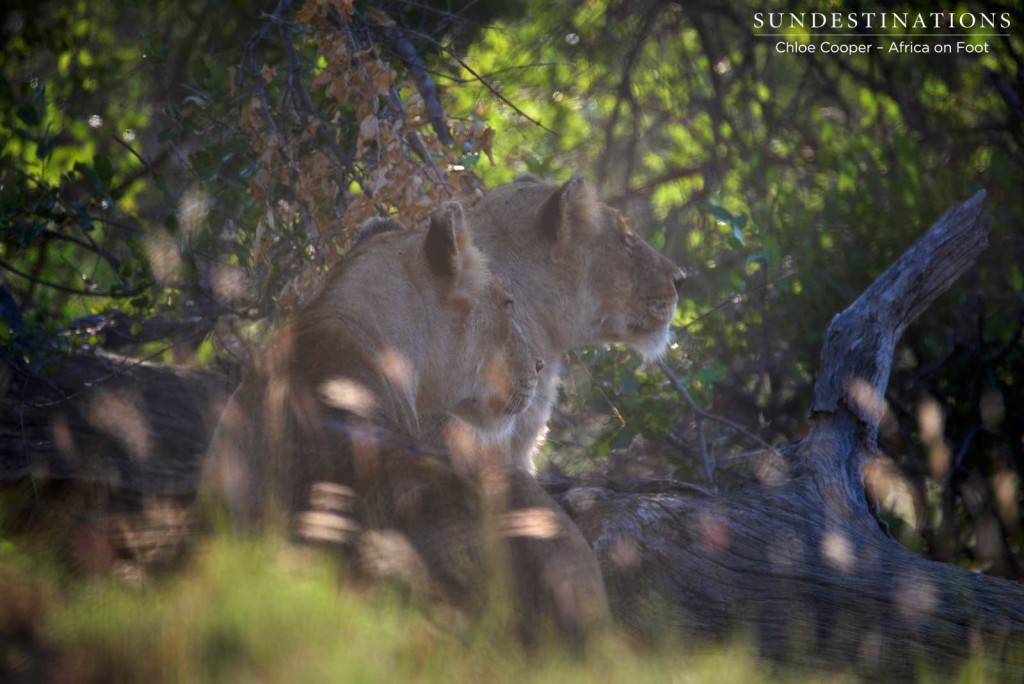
(579, 275)
(409, 323)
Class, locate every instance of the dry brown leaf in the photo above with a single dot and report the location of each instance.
(379, 17)
(344, 8)
(313, 9)
(486, 143)
(368, 128)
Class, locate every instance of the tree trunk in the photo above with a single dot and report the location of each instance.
(798, 562)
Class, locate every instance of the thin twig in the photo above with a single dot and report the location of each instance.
(250, 57)
(63, 288)
(680, 388)
(137, 175)
(424, 83)
(138, 156)
(709, 467)
(742, 454)
(495, 91)
(732, 299)
(307, 104)
(282, 8)
(126, 368)
(416, 142)
(88, 245)
(667, 177)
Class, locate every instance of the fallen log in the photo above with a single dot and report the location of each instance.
(102, 456)
(111, 420)
(798, 562)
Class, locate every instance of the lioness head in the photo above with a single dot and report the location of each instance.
(575, 249)
(477, 336)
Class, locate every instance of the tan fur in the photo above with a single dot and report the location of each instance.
(579, 276)
(409, 323)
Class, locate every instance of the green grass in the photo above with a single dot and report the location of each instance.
(269, 611)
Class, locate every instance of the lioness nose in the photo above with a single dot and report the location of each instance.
(540, 365)
(677, 281)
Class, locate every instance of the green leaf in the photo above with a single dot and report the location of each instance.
(44, 147)
(657, 240)
(709, 375)
(202, 73)
(39, 96)
(167, 135)
(89, 171)
(1016, 278)
(720, 213)
(28, 114)
(738, 234)
(772, 253)
(161, 185)
(104, 169)
(533, 165)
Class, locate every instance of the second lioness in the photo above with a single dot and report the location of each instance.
(579, 275)
(408, 323)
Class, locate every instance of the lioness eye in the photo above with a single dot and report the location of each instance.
(508, 304)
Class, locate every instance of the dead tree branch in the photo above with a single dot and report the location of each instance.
(799, 562)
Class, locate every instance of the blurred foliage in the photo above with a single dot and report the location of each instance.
(190, 167)
(785, 184)
(272, 612)
(90, 170)
(141, 177)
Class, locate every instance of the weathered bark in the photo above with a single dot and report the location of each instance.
(799, 563)
(103, 456)
(111, 420)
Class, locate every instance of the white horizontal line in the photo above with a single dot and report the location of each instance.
(883, 35)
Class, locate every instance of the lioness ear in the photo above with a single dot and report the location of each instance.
(571, 204)
(447, 238)
(375, 226)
